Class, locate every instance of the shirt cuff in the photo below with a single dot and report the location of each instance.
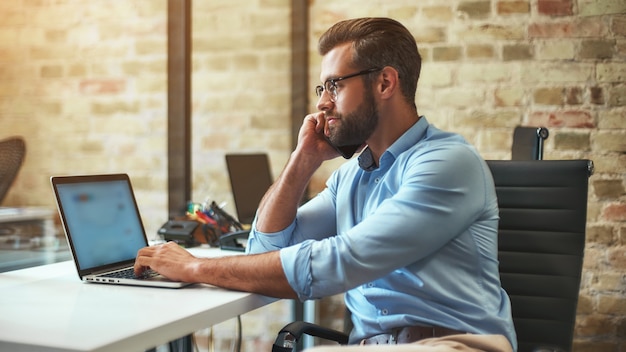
(296, 261)
(259, 242)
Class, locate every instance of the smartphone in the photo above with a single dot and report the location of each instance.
(346, 151)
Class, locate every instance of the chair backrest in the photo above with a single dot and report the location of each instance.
(12, 151)
(543, 210)
(528, 143)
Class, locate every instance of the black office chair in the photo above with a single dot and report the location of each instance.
(12, 151)
(528, 143)
(541, 240)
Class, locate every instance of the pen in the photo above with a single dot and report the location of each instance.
(205, 218)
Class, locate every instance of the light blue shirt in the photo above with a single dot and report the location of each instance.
(412, 242)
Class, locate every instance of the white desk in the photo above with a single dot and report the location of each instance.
(47, 308)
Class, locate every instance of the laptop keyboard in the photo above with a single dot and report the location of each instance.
(129, 273)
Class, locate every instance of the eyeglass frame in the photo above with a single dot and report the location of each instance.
(332, 89)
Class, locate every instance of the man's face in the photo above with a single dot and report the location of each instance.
(353, 115)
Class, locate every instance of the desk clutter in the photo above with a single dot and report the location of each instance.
(206, 223)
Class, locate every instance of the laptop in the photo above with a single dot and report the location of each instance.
(103, 228)
(250, 178)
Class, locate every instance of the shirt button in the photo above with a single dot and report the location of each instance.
(371, 284)
(377, 179)
(384, 312)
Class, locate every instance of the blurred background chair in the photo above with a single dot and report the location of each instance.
(541, 241)
(528, 143)
(12, 151)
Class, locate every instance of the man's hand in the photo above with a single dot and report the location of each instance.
(312, 138)
(168, 259)
(278, 207)
(259, 273)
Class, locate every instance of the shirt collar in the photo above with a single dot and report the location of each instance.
(406, 141)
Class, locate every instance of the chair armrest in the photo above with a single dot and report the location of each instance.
(291, 333)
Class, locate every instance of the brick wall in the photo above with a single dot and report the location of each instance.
(492, 65)
(85, 83)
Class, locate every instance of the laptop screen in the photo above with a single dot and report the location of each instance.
(102, 221)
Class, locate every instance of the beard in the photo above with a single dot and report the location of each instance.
(356, 127)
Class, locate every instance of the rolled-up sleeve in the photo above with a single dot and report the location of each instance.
(296, 262)
(295, 259)
(259, 242)
(315, 221)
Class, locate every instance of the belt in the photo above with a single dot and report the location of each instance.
(409, 334)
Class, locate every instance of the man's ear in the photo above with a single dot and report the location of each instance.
(389, 82)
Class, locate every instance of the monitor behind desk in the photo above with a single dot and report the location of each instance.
(250, 177)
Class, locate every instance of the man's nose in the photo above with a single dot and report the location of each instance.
(323, 102)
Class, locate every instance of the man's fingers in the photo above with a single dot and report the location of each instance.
(317, 120)
(144, 259)
(139, 267)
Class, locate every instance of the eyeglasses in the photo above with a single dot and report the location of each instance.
(331, 85)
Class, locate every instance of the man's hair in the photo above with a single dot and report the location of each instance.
(378, 42)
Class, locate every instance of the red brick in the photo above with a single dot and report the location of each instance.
(568, 118)
(555, 7)
(615, 212)
(551, 30)
(579, 28)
